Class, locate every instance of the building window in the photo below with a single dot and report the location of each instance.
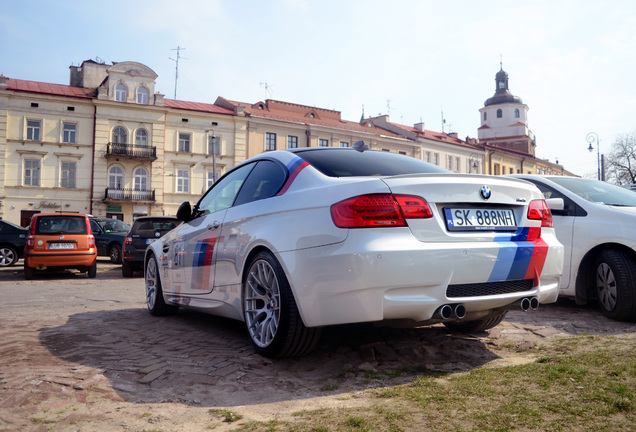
(141, 179)
(34, 130)
(323, 143)
(499, 113)
(31, 172)
(344, 144)
(67, 178)
(510, 170)
(428, 156)
(141, 138)
(120, 93)
(69, 133)
(449, 162)
(184, 142)
(436, 161)
(517, 114)
(292, 142)
(270, 141)
(142, 96)
(485, 116)
(116, 178)
(458, 164)
(183, 181)
(120, 136)
(496, 169)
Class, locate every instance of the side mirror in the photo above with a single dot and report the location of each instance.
(184, 214)
(555, 204)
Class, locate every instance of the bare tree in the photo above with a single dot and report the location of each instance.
(621, 162)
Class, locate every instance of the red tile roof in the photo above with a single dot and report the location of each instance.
(432, 135)
(50, 89)
(308, 115)
(197, 106)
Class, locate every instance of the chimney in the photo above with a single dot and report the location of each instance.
(419, 126)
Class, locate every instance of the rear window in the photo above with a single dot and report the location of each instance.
(60, 225)
(148, 227)
(340, 162)
(113, 225)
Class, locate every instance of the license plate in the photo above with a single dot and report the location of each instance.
(483, 219)
(61, 246)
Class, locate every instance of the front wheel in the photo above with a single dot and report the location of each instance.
(272, 318)
(8, 256)
(154, 294)
(485, 323)
(615, 280)
(114, 252)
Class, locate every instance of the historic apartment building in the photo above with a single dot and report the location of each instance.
(110, 145)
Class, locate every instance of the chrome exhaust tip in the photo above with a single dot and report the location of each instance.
(460, 311)
(446, 312)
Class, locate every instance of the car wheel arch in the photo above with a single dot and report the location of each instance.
(586, 276)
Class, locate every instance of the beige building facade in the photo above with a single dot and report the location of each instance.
(110, 145)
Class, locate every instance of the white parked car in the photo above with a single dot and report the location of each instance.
(596, 222)
(291, 241)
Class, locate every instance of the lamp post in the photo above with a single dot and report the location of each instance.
(213, 139)
(593, 137)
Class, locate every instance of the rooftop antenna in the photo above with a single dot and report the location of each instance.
(267, 87)
(443, 122)
(388, 107)
(176, 71)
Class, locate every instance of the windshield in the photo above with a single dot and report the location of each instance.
(597, 191)
(339, 162)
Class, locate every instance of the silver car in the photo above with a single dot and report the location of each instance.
(291, 241)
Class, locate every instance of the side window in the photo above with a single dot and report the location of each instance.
(224, 192)
(264, 181)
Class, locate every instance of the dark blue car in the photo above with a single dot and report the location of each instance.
(12, 239)
(109, 237)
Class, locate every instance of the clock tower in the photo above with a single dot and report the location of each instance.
(504, 119)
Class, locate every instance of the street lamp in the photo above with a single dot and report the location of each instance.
(212, 139)
(593, 137)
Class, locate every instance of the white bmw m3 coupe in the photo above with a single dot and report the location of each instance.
(291, 241)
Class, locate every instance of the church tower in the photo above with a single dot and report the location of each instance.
(504, 119)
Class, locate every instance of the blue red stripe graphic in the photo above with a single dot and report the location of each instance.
(202, 262)
(521, 256)
(294, 167)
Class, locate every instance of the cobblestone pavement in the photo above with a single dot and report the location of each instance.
(84, 354)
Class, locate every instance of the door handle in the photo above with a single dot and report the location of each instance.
(214, 225)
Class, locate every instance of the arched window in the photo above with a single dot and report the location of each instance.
(116, 178)
(499, 113)
(485, 116)
(517, 115)
(141, 138)
(141, 179)
(120, 93)
(142, 96)
(120, 136)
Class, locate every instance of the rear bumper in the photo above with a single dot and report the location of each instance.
(385, 277)
(60, 260)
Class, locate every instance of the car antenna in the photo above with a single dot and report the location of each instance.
(360, 146)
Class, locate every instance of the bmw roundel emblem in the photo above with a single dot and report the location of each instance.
(485, 192)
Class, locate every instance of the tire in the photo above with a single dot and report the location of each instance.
(154, 294)
(126, 270)
(92, 271)
(114, 252)
(488, 322)
(615, 282)
(8, 256)
(272, 319)
(28, 272)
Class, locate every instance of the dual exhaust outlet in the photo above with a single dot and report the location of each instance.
(458, 311)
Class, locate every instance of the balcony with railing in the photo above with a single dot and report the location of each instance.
(128, 195)
(131, 151)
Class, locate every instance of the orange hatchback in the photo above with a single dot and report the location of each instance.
(60, 241)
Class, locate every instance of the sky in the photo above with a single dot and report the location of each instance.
(572, 62)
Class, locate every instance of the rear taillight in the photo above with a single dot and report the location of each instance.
(91, 241)
(127, 241)
(539, 210)
(379, 210)
(30, 242)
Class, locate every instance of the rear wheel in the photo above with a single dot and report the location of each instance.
(8, 256)
(271, 315)
(114, 252)
(154, 294)
(485, 323)
(92, 271)
(28, 272)
(615, 281)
